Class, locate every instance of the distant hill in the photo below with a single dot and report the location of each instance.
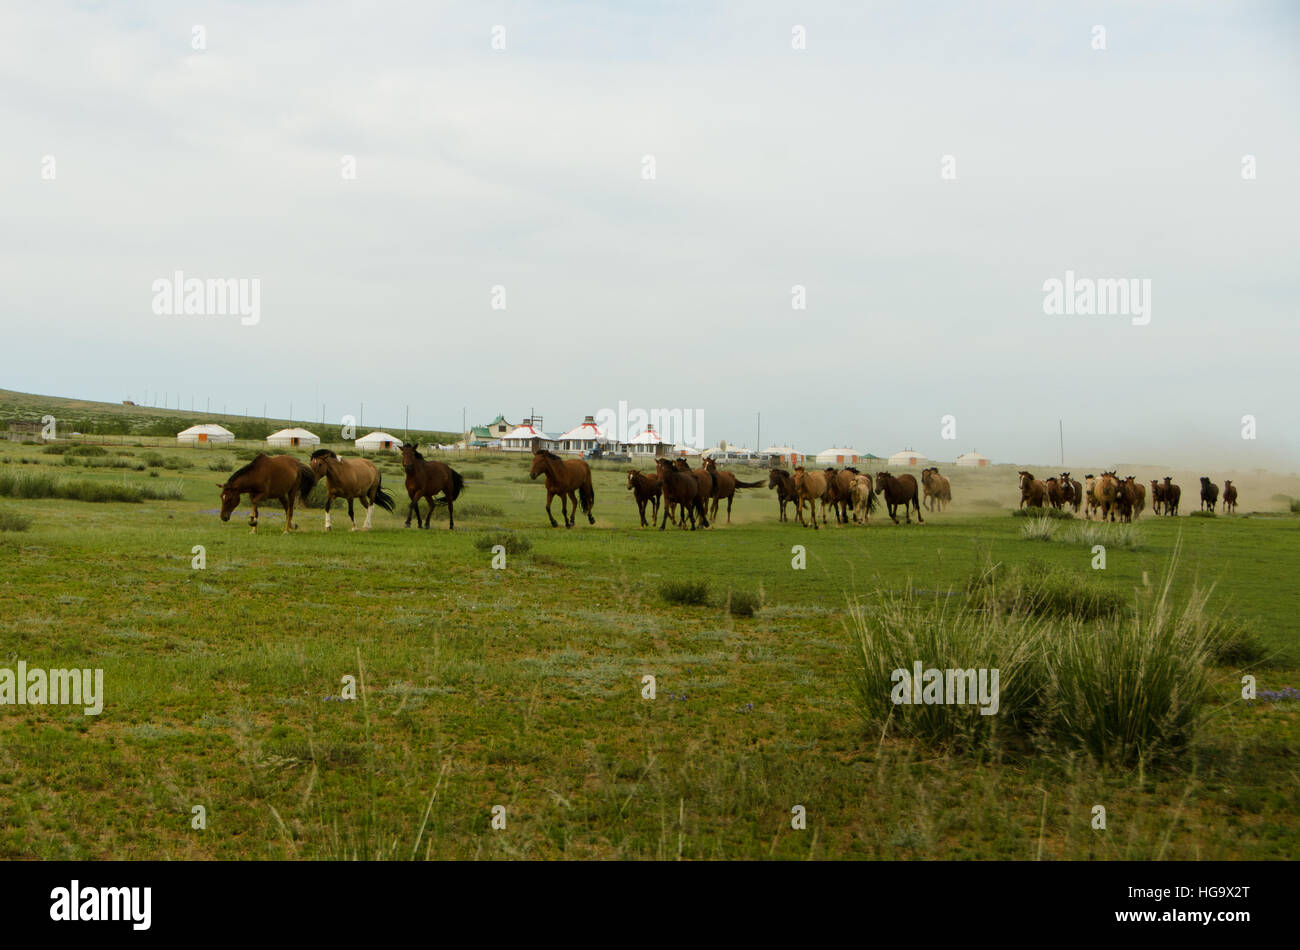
(108, 418)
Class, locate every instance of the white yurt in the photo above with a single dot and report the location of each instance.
(647, 444)
(204, 434)
(291, 438)
(378, 442)
(972, 460)
(838, 455)
(527, 438)
(906, 458)
(582, 438)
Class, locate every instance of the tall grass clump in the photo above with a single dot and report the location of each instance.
(1127, 537)
(169, 491)
(46, 485)
(512, 541)
(1038, 529)
(688, 593)
(1123, 685)
(14, 520)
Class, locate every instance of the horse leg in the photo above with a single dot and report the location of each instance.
(287, 502)
(329, 499)
(549, 495)
(410, 509)
(451, 518)
(352, 514)
(369, 502)
(564, 509)
(729, 500)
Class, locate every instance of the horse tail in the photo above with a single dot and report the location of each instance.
(586, 494)
(871, 500)
(306, 481)
(457, 483)
(382, 498)
(740, 484)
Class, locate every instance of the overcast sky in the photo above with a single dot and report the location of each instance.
(524, 167)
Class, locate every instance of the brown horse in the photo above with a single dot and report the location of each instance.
(899, 490)
(568, 478)
(681, 488)
(938, 490)
(351, 478)
(1135, 497)
(809, 487)
(1157, 496)
(1209, 494)
(1055, 492)
(1032, 490)
(281, 477)
(1172, 496)
(782, 481)
(724, 486)
(646, 489)
(1229, 497)
(703, 477)
(839, 493)
(424, 479)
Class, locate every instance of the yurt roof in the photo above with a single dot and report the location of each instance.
(294, 433)
(206, 428)
(379, 436)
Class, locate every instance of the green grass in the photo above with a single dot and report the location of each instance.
(523, 686)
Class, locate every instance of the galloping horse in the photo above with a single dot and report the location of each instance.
(351, 478)
(1209, 494)
(724, 486)
(938, 490)
(424, 479)
(281, 477)
(1172, 495)
(570, 479)
(809, 487)
(864, 499)
(1075, 495)
(645, 489)
(839, 493)
(1229, 497)
(780, 479)
(1032, 490)
(681, 488)
(901, 490)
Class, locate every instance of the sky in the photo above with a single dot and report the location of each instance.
(437, 222)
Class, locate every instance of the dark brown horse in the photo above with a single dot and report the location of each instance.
(839, 493)
(1229, 497)
(1209, 494)
(681, 488)
(281, 477)
(647, 489)
(424, 479)
(724, 486)
(900, 490)
(1074, 496)
(783, 482)
(568, 478)
(1172, 496)
(703, 477)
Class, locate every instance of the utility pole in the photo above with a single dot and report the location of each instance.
(407, 436)
(1060, 424)
(758, 436)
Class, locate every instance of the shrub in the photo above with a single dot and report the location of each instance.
(742, 603)
(87, 451)
(171, 491)
(55, 449)
(1113, 535)
(14, 520)
(470, 473)
(221, 465)
(46, 485)
(1038, 529)
(1295, 506)
(693, 593)
(512, 541)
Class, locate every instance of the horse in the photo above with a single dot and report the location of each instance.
(281, 477)
(899, 490)
(783, 482)
(645, 490)
(568, 478)
(808, 486)
(1157, 496)
(864, 499)
(1209, 494)
(1055, 492)
(724, 486)
(1229, 497)
(839, 493)
(1032, 490)
(681, 488)
(1105, 494)
(424, 479)
(350, 478)
(938, 490)
(1071, 492)
(1172, 494)
(703, 478)
(1131, 497)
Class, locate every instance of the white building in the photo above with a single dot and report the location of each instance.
(379, 442)
(906, 458)
(293, 438)
(838, 455)
(527, 438)
(648, 444)
(204, 434)
(583, 437)
(972, 460)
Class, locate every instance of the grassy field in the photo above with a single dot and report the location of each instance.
(522, 687)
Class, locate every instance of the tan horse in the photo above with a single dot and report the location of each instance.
(1103, 495)
(863, 498)
(350, 478)
(568, 478)
(1032, 490)
(281, 477)
(938, 490)
(809, 487)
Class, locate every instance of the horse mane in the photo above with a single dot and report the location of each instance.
(548, 454)
(324, 454)
(414, 451)
(247, 468)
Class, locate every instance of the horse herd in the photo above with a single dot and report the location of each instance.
(686, 495)
(1108, 495)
